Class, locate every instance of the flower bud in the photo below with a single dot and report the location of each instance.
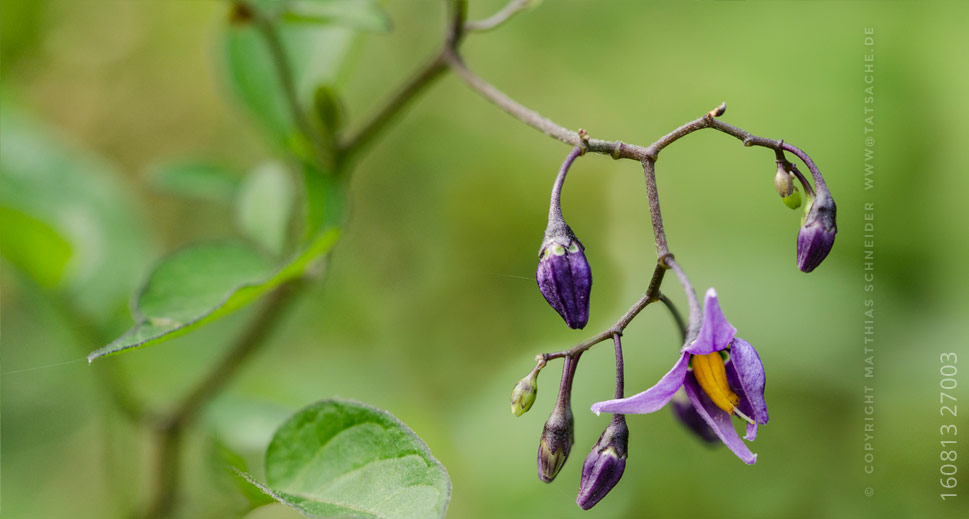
(604, 466)
(523, 396)
(556, 443)
(564, 277)
(816, 237)
(786, 187)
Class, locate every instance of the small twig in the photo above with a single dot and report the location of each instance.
(286, 80)
(506, 13)
(620, 371)
(695, 313)
(363, 136)
(680, 323)
(171, 427)
(655, 215)
(651, 296)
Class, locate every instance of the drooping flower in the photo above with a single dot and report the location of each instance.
(816, 237)
(687, 415)
(716, 389)
(604, 466)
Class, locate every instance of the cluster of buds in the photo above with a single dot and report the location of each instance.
(818, 226)
(717, 375)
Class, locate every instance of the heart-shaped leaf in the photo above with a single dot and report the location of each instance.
(339, 458)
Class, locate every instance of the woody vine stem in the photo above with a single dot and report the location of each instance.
(341, 154)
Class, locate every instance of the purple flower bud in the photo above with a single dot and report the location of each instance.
(564, 277)
(557, 439)
(816, 237)
(604, 466)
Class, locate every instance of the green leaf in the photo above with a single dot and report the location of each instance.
(314, 55)
(84, 200)
(33, 246)
(200, 284)
(359, 14)
(195, 179)
(339, 458)
(264, 206)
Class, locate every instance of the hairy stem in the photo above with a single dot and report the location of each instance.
(555, 206)
(620, 371)
(655, 215)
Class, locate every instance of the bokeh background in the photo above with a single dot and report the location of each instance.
(430, 308)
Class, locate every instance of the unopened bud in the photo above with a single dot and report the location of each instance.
(816, 237)
(523, 396)
(604, 466)
(786, 187)
(556, 443)
(564, 277)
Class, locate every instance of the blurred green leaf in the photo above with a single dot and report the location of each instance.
(264, 206)
(314, 54)
(33, 247)
(338, 458)
(358, 14)
(195, 179)
(200, 284)
(82, 199)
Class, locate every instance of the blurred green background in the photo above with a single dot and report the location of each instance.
(430, 308)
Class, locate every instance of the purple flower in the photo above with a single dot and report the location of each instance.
(716, 389)
(687, 415)
(564, 276)
(604, 466)
(816, 237)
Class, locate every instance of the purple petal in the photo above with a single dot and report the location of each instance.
(751, 432)
(688, 416)
(581, 285)
(718, 420)
(715, 332)
(653, 398)
(745, 375)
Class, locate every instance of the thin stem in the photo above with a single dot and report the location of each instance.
(171, 427)
(565, 386)
(506, 13)
(677, 316)
(619, 365)
(655, 215)
(286, 80)
(555, 206)
(695, 313)
(422, 79)
(652, 295)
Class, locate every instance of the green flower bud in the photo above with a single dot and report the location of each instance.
(793, 200)
(523, 396)
(784, 182)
